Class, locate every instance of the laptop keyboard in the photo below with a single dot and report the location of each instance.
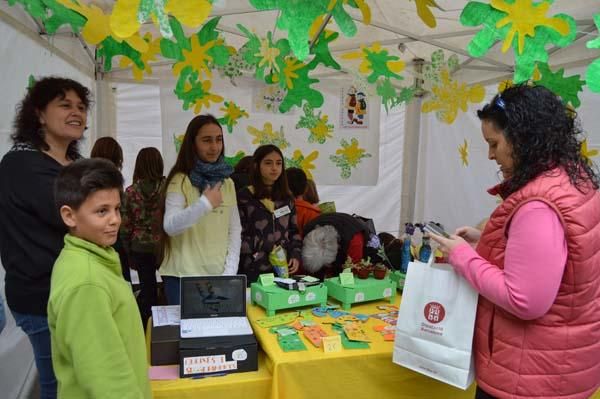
(215, 327)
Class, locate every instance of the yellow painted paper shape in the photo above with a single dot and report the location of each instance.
(463, 150)
(586, 153)
(189, 12)
(123, 21)
(97, 27)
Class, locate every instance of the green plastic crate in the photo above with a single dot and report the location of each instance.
(362, 291)
(273, 297)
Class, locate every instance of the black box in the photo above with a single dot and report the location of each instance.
(217, 355)
(164, 345)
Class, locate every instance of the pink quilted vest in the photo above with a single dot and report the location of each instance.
(558, 354)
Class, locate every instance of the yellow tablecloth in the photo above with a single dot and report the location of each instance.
(351, 373)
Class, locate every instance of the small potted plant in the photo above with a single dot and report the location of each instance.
(363, 268)
(379, 271)
(349, 264)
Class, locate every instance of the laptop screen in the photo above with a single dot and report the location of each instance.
(213, 296)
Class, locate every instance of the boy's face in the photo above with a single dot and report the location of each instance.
(98, 219)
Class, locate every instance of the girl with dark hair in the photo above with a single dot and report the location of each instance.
(108, 148)
(49, 123)
(268, 215)
(201, 221)
(140, 224)
(535, 264)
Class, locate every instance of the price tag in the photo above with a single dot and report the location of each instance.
(267, 279)
(332, 344)
(346, 279)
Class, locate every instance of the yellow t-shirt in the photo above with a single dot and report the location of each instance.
(202, 248)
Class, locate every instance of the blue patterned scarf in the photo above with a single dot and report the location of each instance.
(206, 174)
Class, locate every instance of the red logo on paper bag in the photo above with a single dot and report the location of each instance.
(434, 312)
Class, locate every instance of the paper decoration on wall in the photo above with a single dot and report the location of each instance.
(268, 136)
(51, 14)
(348, 157)
(522, 24)
(298, 160)
(425, 13)
(451, 96)
(463, 151)
(505, 84)
(322, 52)
(268, 98)
(592, 73)
(297, 17)
(235, 67)
(194, 92)
(231, 114)
(110, 48)
(390, 97)
(317, 124)
(355, 109)
(177, 141)
(375, 62)
(301, 91)
(566, 87)
(232, 161)
(432, 72)
(586, 153)
(30, 81)
(150, 55)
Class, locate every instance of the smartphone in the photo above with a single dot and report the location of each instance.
(435, 229)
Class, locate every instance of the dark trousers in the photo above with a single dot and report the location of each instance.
(481, 394)
(146, 268)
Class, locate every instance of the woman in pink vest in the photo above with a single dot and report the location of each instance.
(536, 264)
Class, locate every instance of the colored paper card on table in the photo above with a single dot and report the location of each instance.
(346, 343)
(267, 279)
(277, 320)
(291, 343)
(310, 279)
(346, 279)
(314, 335)
(354, 332)
(332, 344)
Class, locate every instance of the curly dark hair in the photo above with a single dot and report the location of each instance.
(27, 127)
(544, 134)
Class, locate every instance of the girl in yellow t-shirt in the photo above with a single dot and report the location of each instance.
(201, 221)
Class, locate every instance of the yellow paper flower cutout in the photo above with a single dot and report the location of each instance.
(524, 17)
(463, 150)
(425, 13)
(233, 111)
(268, 136)
(150, 55)
(205, 100)
(587, 154)
(123, 20)
(198, 57)
(382, 62)
(322, 130)
(362, 6)
(305, 163)
(451, 96)
(505, 84)
(268, 55)
(289, 71)
(189, 12)
(352, 153)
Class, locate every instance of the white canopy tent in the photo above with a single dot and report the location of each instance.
(420, 173)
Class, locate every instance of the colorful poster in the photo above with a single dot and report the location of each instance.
(354, 108)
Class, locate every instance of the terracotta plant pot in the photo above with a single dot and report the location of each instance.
(363, 273)
(379, 274)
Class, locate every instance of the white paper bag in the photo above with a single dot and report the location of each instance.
(434, 334)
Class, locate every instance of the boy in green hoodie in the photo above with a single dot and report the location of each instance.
(98, 348)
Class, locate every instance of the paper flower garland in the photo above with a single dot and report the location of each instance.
(319, 129)
(522, 24)
(592, 73)
(268, 136)
(297, 17)
(451, 96)
(463, 151)
(348, 157)
(298, 160)
(376, 62)
(232, 113)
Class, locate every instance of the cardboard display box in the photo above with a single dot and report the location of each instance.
(217, 355)
(164, 345)
(273, 298)
(365, 290)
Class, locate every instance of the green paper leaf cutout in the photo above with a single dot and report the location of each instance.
(527, 49)
(592, 73)
(389, 95)
(52, 14)
(566, 87)
(30, 81)
(110, 48)
(157, 8)
(348, 157)
(317, 124)
(301, 91)
(322, 53)
(194, 92)
(232, 161)
(174, 50)
(231, 114)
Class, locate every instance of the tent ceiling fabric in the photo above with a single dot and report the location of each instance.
(394, 22)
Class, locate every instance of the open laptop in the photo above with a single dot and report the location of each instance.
(213, 306)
